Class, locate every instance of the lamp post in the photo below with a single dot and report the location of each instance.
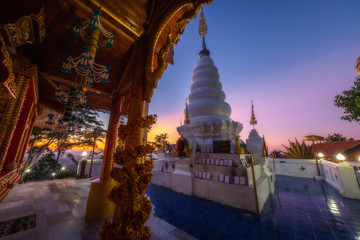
(94, 135)
(314, 138)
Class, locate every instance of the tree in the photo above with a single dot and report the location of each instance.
(161, 143)
(277, 154)
(41, 140)
(337, 137)
(350, 101)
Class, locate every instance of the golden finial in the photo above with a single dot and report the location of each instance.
(187, 119)
(203, 30)
(253, 119)
(357, 66)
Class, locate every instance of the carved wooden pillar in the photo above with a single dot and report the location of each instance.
(111, 137)
(132, 207)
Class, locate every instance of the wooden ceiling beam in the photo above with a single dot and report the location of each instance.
(51, 78)
(111, 14)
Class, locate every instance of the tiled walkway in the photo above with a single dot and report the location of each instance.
(299, 209)
(60, 206)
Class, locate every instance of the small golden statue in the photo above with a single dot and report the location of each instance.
(239, 149)
(182, 148)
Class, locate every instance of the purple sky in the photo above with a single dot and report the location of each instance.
(290, 57)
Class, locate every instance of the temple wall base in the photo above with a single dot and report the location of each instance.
(179, 176)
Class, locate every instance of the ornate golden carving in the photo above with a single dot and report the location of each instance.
(9, 120)
(132, 206)
(160, 25)
(357, 66)
(24, 140)
(153, 77)
(189, 14)
(8, 87)
(203, 30)
(7, 182)
(23, 31)
(24, 70)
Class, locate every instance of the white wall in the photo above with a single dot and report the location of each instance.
(305, 168)
(332, 176)
(342, 177)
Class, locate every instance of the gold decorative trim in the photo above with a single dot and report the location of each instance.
(10, 118)
(23, 31)
(24, 70)
(23, 143)
(7, 182)
(8, 87)
(160, 25)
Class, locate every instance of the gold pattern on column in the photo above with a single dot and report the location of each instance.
(132, 207)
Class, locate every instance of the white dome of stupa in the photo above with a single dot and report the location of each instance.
(206, 98)
(207, 115)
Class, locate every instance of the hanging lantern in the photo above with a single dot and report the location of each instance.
(85, 67)
(49, 124)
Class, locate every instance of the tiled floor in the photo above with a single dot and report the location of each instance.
(299, 209)
(60, 206)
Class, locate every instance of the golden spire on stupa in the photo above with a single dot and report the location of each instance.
(203, 30)
(357, 66)
(253, 119)
(187, 119)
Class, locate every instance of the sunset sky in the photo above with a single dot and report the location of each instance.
(290, 57)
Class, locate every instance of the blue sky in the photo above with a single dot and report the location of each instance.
(290, 57)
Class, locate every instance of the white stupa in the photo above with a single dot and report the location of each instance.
(207, 115)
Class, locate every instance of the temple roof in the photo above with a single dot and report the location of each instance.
(331, 149)
(127, 18)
